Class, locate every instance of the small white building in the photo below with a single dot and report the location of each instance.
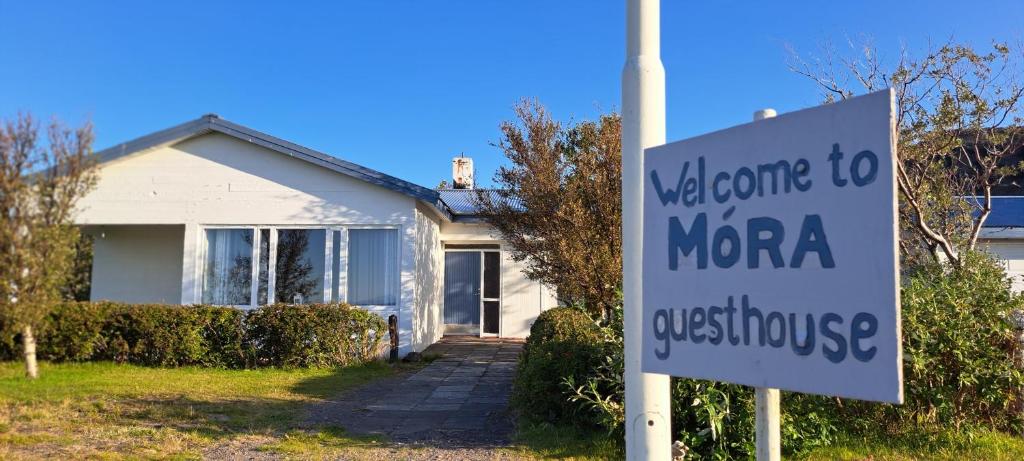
(216, 213)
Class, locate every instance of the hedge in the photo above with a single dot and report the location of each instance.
(167, 335)
(564, 344)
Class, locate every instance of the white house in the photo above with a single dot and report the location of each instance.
(213, 212)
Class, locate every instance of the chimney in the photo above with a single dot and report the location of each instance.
(462, 172)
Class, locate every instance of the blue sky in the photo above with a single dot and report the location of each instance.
(402, 86)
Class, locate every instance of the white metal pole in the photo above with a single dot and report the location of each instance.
(767, 400)
(648, 436)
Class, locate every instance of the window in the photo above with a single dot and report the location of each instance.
(260, 265)
(227, 278)
(299, 266)
(372, 267)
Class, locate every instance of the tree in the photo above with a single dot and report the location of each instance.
(558, 203)
(958, 118)
(40, 183)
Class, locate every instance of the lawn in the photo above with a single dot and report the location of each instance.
(103, 410)
(938, 446)
(109, 411)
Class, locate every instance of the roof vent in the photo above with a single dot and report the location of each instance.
(462, 172)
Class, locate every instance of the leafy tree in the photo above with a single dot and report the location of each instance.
(40, 183)
(558, 204)
(958, 118)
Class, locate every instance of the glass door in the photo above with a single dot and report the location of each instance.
(491, 299)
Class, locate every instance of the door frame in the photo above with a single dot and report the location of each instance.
(501, 292)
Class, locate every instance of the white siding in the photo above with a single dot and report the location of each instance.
(1011, 251)
(522, 299)
(137, 264)
(429, 305)
(217, 179)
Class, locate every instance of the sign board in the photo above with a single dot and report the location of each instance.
(770, 254)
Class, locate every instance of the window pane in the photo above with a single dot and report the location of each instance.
(372, 266)
(491, 316)
(227, 277)
(264, 267)
(492, 275)
(299, 270)
(336, 264)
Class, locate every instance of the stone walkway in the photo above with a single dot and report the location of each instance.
(458, 400)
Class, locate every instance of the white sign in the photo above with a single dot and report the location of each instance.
(770, 254)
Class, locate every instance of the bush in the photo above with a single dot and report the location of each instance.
(164, 335)
(959, 362)
(169, 335)
(315, 335)
(564, 344)
(959, 347)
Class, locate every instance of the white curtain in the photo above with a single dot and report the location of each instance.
(227, 277)
(373, 267)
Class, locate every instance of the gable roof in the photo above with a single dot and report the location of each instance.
(212, 123)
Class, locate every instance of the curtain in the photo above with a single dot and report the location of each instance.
(227, 277)
(373, 267)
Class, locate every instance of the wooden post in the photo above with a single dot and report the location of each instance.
(767, 400)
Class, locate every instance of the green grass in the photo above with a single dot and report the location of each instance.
(919, 445)
(106, 410)
(76, 380)
(560, 442)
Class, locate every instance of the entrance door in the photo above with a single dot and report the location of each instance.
(491, 311)
(472, 292)
(462, 291)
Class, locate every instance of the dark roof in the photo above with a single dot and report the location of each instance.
(212, 123)
(1007, 211)
(464, 203)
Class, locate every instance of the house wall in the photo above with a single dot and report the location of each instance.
(429, 296)
(220, 180)
(1011, 251)
(522, 299)
(137, 264)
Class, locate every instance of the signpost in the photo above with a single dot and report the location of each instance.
(770, 257)
(768, 252)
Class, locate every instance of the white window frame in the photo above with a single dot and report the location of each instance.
(383, 310)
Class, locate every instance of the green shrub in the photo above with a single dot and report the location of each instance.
(564, 344)
(166, 335)
(959, 347)
(315, 335)
(960, 372)
(171, 335)
(74, 332)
